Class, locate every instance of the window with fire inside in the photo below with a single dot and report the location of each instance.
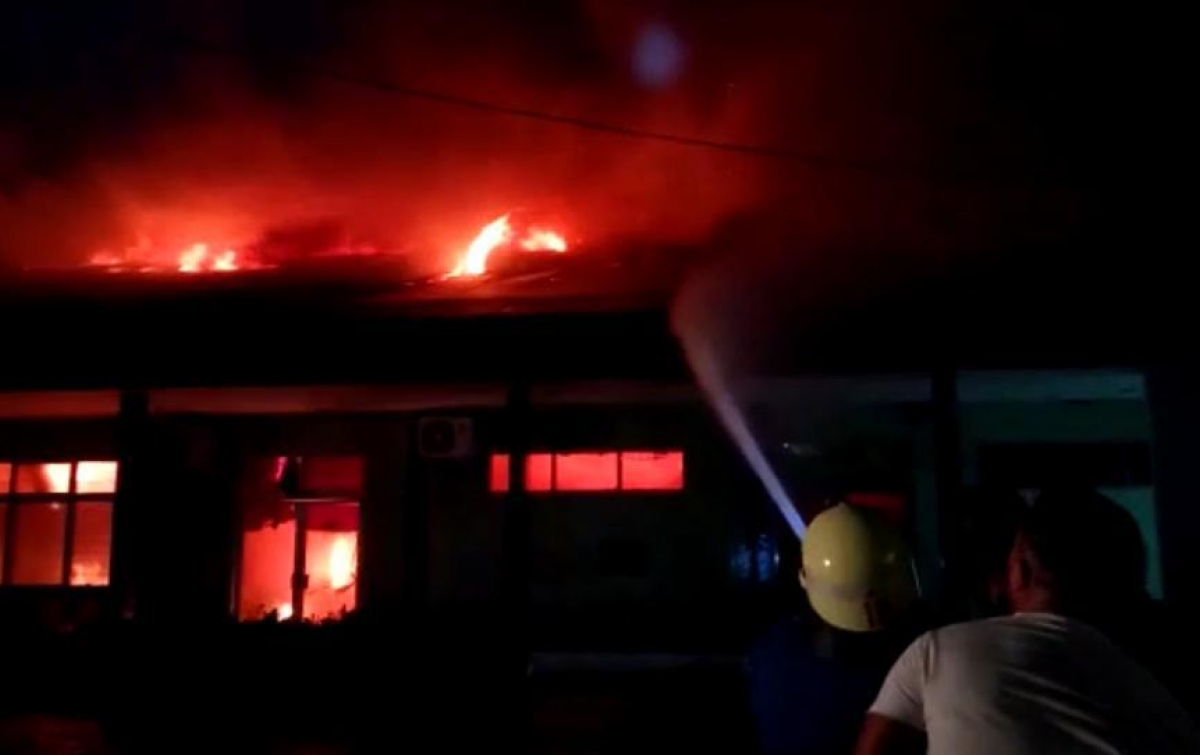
(299, 539)
(593, 472)
(56, 522)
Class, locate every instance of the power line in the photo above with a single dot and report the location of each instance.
(1010, 175)
(585, 124)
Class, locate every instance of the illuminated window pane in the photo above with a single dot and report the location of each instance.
(3, 535)
(586, 471)
(268, 560)
(96, 477)
(331, 473)
(498, 473)
(539, 472)
(5, 477)
(37, 557)
(92, 543)
(330, 559)
(645, 470)
(43, 478)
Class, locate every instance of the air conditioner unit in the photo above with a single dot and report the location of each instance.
(445, 437)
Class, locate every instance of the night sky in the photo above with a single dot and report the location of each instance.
(934, 124)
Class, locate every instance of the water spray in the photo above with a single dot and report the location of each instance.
(716, 387)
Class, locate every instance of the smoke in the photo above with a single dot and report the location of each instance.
(211, 122)
(131, 122)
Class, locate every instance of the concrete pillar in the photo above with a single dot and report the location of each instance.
(390, 574)
(1174, 396)
(133, 443)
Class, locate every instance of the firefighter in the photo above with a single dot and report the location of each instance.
(813, 676)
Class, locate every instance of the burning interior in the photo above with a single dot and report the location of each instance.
(299, 547)
(56, 522)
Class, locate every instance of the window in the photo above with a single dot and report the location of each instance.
(593, 471)
(300, 527)
(648, 470)
(56, 522)
(585, 471)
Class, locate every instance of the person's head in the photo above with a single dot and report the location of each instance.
(856, 570)
(1076, 553)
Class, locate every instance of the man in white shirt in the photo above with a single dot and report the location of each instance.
(1038, 681)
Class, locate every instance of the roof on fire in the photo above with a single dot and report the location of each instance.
(603, 316)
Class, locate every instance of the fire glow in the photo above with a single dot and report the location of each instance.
(500, 233)
(199, 257)
(202, 257)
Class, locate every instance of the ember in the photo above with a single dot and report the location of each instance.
(500, 233)
(196, 258)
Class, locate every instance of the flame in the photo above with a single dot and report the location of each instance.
(543, 240)
(199, 257)
(90, 477)
(499, 233)
(343, 558)
(284, 611)
(56, 477)
(96, 477)
(89, 573)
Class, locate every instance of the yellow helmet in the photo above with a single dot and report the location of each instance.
(856, 569)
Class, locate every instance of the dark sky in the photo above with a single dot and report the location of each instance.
(935, 123)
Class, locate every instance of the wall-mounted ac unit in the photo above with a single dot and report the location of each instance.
(445, 437)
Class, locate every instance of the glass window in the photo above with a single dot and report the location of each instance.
(44, 478)
(593, 471)
(48, 505)
(291, 515)
(331, 559)
(498, 473)
(585, 471)
(96, 477)
(539, 472)
(92, 544)
(3, 535)
(643, 470)
(39, 537)
(268, 560)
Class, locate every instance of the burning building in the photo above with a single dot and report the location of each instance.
(516, 452)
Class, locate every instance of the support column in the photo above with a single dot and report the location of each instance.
(1174, 397)
(517, 538)
(133, 441)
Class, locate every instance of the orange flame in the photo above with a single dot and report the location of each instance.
(89, 573)
(199, 257)
(343, 558)
(90, 477)
(543, 240)
(499, 233)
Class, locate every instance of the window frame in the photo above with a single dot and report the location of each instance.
(502, 458)
(301, 499)
(71, 497)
